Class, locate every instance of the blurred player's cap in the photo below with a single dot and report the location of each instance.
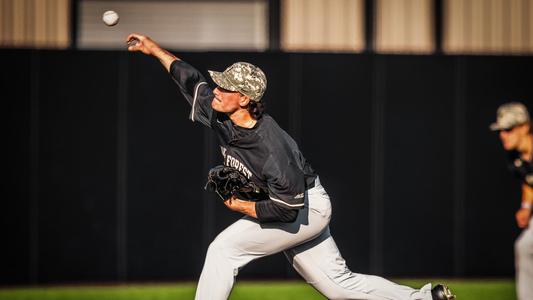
(510, 115)
(242, 77)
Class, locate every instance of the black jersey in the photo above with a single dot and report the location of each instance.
(521, 168)
(265, 154)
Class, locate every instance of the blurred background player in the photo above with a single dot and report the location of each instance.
(514, 127)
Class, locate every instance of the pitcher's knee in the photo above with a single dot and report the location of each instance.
(224, 256)
(218, 249)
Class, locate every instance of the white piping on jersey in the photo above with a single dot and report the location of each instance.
(194, 99)
(285, 203)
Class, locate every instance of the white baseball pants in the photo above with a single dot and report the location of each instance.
(524, 263)
(310, 248)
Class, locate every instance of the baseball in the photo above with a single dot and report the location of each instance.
(110, 18)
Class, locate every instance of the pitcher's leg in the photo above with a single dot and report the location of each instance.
(524, 263)
(222, 262)
(321, 264)
(218, 275)
(246, 240)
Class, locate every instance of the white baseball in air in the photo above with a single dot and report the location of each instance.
(110, 18)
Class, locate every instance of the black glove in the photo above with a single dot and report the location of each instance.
(226, 181)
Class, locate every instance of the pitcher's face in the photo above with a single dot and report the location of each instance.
(226, 101)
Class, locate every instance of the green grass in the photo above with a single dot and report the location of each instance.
(268, 290)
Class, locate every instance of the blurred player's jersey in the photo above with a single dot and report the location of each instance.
(521, 168)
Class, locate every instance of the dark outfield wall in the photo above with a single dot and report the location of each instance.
(106, 173)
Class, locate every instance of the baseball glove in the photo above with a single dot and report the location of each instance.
(227, 181)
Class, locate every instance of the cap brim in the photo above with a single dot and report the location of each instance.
(498, 127)
(221, 80)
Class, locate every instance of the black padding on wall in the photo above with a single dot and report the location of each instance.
(165, 177)
(15, 81)
(418, 182)
(77, 166)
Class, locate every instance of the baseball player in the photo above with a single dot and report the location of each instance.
(514, 127)
(293, 216)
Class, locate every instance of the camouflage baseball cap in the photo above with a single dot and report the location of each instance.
(242, 77)
(510, 115)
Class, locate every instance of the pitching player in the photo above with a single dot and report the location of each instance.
(295, 215)
(514, 128)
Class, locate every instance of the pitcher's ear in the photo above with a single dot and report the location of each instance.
(244, 100)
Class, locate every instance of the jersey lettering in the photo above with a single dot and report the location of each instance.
(231, 161)
(223, 150)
